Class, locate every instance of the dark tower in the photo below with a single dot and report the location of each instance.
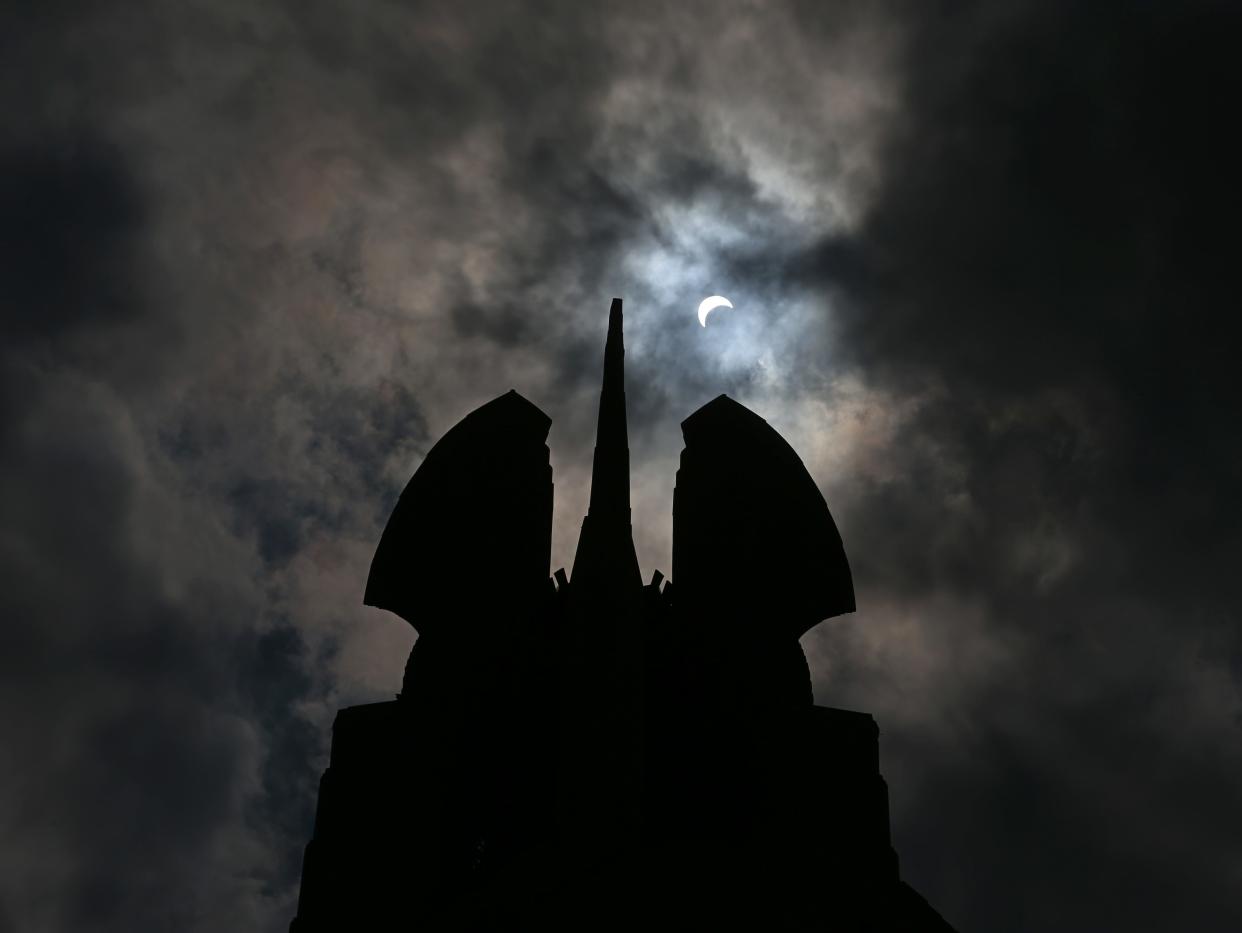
(592, 753)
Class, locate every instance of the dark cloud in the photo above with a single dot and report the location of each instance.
(257, 259)
(70, 211)
(1047, 262)
(131, 751)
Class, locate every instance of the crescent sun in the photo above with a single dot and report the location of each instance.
(708, 305)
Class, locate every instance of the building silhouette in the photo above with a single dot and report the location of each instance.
(587, 752)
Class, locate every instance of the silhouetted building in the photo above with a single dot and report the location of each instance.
(589, 753)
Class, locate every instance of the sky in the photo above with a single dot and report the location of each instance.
(255, 258)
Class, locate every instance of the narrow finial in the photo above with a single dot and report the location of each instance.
(606, 545)
(610, 475)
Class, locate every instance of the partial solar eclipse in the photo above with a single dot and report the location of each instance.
(708, 305)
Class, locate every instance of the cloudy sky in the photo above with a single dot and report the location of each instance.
(255, 257)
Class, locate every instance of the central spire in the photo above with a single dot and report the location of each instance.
(607, 538)
(610, 474)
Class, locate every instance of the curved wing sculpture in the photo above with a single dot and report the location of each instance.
(753, 541)
(471, 535)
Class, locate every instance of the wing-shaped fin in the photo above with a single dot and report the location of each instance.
(753, 540)
(471, 535)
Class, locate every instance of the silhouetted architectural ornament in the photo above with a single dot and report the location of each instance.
(752, 536)
(585, 752)
(756, 556)
(480, 503)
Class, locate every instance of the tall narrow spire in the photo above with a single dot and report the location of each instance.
(610, 472)
(607, 538)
